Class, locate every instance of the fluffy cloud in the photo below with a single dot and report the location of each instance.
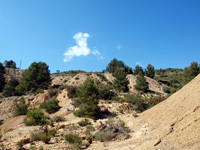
(81, 49)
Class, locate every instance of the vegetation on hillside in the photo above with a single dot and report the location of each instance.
(36, 77)
(2, 78)
(10, 64)
(87, 100)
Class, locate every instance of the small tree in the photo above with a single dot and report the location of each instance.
(150, 71)
(194, 69)
(88, 99)
(117, 64)
(191, 72)
(37, 76)
(114, 64)
(121, 82)
(9, 89)
(137, 70)
(10, 64)
(2, 78)
(141, 83)
(20, 108)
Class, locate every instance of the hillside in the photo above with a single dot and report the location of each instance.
(172, 124)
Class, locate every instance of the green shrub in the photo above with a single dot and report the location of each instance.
(137, 101)
(50, 106)
(52, 132)
(45, 138)
(35, 117)
(74, 139)
(20, 108)
(166, 89)
(71, 92)
(19, 90)
(122, 123)
(52, 92)
(89, 129)
(58, 118)
(84, 122)
(105, 135)
(36, 135)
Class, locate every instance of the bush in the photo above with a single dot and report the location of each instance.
(50, 106)
(136, 100)
(155, 100)
(105, 135)
(166, 89)
(84, 122)
(112, 130)
(45, 138)
(89, 129)
(52, 92)
(71, 92)
(36, 136)
(58, 118)
(74, 139)
(20, 108)
(35, 117)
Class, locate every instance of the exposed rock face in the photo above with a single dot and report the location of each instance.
(14, 73)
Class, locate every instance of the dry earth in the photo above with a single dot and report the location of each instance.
(172, 124)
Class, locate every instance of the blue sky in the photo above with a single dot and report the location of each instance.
(164, 33)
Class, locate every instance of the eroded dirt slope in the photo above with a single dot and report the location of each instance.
(173, 124)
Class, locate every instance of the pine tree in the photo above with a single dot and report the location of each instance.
(150, 71)
(121, 82)
(37, 76)
(9, 89)
(141, 83)
(137, 70)
(88, 99)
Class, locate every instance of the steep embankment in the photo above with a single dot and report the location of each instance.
(172, 124)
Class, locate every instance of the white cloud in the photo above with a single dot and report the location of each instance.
(119, 46)
(81, 49)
